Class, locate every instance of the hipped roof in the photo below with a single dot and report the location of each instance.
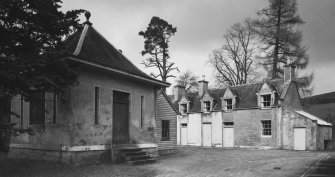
(90, 47)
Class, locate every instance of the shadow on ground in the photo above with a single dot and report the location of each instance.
(35, 168)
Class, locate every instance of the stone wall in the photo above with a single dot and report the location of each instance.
(75, 125)
(247, 127)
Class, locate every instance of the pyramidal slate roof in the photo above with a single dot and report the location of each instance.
(246, 95)
(90, 47)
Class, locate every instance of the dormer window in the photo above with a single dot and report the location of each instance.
(229, 104)
(183, 108)
(266, 101)
(207, 106)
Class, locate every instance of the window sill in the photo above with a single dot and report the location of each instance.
(266, 136)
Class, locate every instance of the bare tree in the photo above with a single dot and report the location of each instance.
(189, 80)
(233, 62)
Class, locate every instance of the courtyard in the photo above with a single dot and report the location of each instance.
(188, 161)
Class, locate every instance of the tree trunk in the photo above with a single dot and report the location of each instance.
(276, 51)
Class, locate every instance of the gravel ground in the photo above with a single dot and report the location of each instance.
(188, 161)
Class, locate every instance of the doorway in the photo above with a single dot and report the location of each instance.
(120, 117)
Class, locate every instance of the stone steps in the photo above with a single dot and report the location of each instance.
(136, 156)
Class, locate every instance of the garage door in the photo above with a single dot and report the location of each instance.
(183, 134)
(207, 134)
(228, 136)
(299, 139)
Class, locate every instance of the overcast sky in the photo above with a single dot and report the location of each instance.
(200, 27)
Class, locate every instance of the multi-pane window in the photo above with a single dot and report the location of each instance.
(37, 108)
(207, 106)
(266, 100)
(228, 123)
(165, 130)
(266, 128)
(229, 104)
(183, 108)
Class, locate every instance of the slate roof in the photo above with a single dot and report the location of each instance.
(246, 95)
(312, 117)
(94, 48)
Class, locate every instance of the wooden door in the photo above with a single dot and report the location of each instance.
(207, 134)
(183, 134)
(120, 117)
(228, 136)
(299, 139)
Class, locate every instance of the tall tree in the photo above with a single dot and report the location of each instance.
(29, 52)
(234, 62)
(30, 45)
(278, 30)
(281, 41)
(156, 46)
(189, 80)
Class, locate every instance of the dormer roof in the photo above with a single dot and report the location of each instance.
(246, 95)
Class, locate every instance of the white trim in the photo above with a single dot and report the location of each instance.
(81, 40)
(120, 72)
(82, 148)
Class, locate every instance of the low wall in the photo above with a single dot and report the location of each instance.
(330, 145)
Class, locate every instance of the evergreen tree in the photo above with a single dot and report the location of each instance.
(281, 39)
(156, 46)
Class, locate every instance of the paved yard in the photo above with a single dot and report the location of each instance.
(187, 162)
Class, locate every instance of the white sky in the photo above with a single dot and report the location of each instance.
(200, 27)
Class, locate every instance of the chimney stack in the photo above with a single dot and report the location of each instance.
(289, 72)
(178, 91)
(203, 86)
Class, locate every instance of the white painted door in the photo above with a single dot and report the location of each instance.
(228, 136)
(183, 134)
(207, 135)
(299, 139)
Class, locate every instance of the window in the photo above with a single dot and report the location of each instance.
(54, 108)
(266, 101)
(183, 108)
(228, 123)
(37, 108)
(207, 106)
(142, 116)
(165, 130)
(96, 105)
(266, 128)
(229, 104)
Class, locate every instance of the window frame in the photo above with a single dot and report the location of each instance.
(32, 105)
(183, 108)
(206, 107)
(266, 128)
(165, 124)
(268, 102)
(96, 104)
(229, 107)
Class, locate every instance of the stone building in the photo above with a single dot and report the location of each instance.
(261, 115)
(112, 108)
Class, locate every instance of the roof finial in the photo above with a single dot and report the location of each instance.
(88, 15)
(203, 77)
